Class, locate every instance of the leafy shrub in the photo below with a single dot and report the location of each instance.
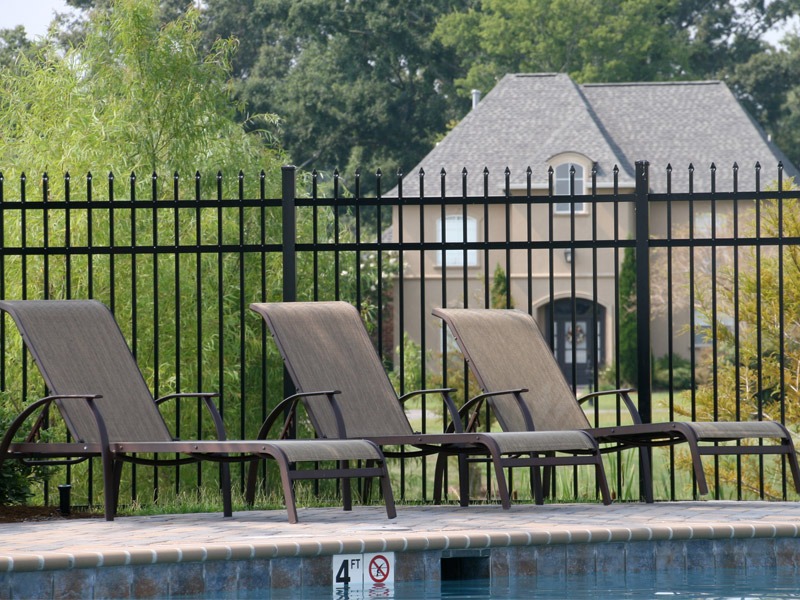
(16, 478)
(681, 373)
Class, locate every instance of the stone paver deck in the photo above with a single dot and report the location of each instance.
(91, 543)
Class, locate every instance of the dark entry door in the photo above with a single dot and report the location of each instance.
(577, 338)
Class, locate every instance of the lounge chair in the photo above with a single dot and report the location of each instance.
(327, 352)
(109, 411)
(505, 348)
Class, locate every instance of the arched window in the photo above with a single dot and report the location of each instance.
(562, 186)
(454, 233)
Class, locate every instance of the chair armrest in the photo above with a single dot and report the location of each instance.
(187, 395)
(43, 404)
(207, 398)
(289, 405)
(448, 401)
(623, 393)
(476, 402)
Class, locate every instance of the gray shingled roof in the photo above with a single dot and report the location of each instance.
(527, 119)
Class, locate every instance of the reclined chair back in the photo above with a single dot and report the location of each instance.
(506, 350)
(310, 337)
(80, 349)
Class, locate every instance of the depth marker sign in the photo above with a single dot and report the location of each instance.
(369, 572)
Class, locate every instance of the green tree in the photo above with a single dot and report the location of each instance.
(137, 96)
(356, 84)
(501, 295)
(607, 40)
(134, 96)
(13, 43)
(767, 85)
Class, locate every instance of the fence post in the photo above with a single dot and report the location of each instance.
(289, 259)
(643, 288)
(289, 210)
(642, 208)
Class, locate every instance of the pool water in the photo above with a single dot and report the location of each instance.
(771, 584)
(721, 584)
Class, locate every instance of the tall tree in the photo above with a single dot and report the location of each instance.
(608, 40)
(355, 84)
(605, 40)
(768, 86)
(13, 42)
(134, 96)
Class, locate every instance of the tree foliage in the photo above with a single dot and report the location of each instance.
(767, 84)
(137, 95)
(134, 96)
(376, 84)
(608, 40)
(356, 84)
(13, 43)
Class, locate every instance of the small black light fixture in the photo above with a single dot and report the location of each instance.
(64, 503)
(568, 255)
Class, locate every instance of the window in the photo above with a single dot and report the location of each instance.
(562, 187)
(454, 233)
(703, 330)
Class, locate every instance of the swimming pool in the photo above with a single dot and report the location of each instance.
(720, 584)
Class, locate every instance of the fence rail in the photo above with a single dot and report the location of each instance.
(696, 288)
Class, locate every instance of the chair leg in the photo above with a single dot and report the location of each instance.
(647, 473)
(286, 484)
(497, 462)
(252, 480)
(548, 479)
(602, 482)
(109, 490)
(537, 487)
(225, 485)
(386, 489)
(793, 467)
(438, 478)
(463, 479)
(502, 484)
(347, 492)
(697, 462)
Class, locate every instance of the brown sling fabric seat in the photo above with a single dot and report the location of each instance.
(95, 383)
(327, 351)
(505, 349)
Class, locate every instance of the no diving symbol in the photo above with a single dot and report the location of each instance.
(378, 568)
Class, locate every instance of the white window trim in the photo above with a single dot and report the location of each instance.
(565, 208)
(455, 258)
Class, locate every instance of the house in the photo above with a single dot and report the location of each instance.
(547, 121)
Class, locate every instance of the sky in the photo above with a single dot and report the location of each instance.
(36, 15)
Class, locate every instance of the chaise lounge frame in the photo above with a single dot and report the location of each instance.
(103, 399)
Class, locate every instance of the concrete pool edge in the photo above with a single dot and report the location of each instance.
(45, 561)
(257, 551)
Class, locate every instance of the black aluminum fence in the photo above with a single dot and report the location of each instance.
(706, 281)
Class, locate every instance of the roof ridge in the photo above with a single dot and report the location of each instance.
(535, 74)
(623, 161)
(653, 83)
